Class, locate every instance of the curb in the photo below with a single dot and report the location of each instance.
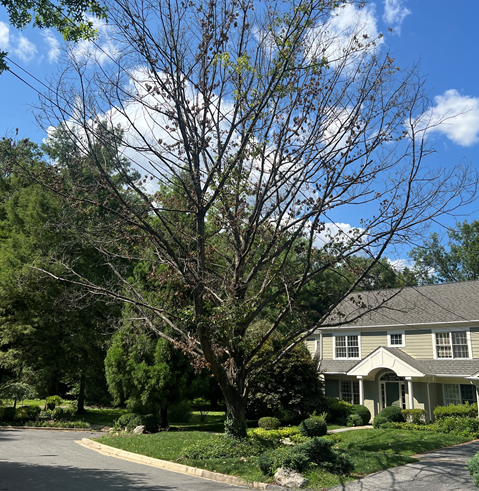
(171, 466)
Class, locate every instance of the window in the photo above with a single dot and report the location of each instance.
(396, 339)
(347, 346)
(350, 391)
(459, 394)
(452, 344)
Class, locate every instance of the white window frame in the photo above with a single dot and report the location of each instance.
(346, 334)
(449, 331)
(402, 345)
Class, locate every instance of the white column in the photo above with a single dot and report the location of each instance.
(477, 398)
(410, 393)
(361, 390)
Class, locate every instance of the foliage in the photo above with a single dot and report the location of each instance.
(392, 414)
(380, 422)
(415, 416)
(458, 261)
(460, 426)
(129, 421)
(180, 412)
(235, 429)
(338, 410)
(363, 412)
(456, 410)
(274, 435)
(269, 423)
(17, 391)
(313, 427)
(354, 420)
(54, 400)
(299, 458)
(289, 389)
(473, 467)
(224, 446)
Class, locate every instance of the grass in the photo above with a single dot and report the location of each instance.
(102, 417)
(371, 451)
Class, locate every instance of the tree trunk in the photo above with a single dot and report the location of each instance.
(164, 416)
(81, 395)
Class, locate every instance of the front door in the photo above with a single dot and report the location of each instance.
(392, 394)
(393, 391)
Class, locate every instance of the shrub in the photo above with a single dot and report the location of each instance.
(319, 451)
(8, 414)
(58, 413)
(129, 421)
(392, 414)
(473, 466)
(21, 413)
(151, 422)
(354, 420)
(467, 427)
(273, 435)
(363, 412)
(287, 456)
(179, 412)
(224, 447)
(53, 401)
(338, 410)
(379, 420)
(268, 423)
(313, 427)
(456, 411)
(415, 416)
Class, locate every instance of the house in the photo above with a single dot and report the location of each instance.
(416, 347)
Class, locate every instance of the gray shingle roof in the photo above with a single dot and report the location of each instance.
(459, 368)
(450, 302)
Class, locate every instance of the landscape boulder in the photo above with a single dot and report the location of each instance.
(289, 478)
(139, 429)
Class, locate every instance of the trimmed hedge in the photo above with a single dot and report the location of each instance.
(313, 427)
(466, 427)
(269, 423)
(338, 411)
(363, 412)
(354, 420)
(456, 411)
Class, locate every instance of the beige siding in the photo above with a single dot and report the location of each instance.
(328, 347)
(372, 340)
(475, 341)
(311, 345)
(419, 344)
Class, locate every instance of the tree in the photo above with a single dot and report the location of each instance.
(268, 122)
(51, 334)
(459, 261)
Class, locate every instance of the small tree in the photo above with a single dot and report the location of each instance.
(17, 391)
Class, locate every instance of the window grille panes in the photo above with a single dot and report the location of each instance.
(350, 391)
(452, 345)
(347, 346)
(396, 339)
(452, 394)
(459, 344)
(468, 394)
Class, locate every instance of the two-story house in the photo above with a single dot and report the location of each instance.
(416, 347)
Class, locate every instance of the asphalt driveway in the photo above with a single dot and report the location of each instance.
(436, 471)
(51, 461)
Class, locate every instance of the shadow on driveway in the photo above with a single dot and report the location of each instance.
(26, 477)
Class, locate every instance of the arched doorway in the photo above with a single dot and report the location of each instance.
(393, 391)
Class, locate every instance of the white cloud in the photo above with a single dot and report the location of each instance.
(102, 50)
(395, 13)
(4, 36)
(53, 44)
(336, 37)
(24, 48)
(339, 232)
(453, 115)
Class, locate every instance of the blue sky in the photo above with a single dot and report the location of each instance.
(442, 37)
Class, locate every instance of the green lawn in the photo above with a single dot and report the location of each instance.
(371, 450)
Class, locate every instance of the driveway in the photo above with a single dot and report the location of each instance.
(50, 461)
(436, 471)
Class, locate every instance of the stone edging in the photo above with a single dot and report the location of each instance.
(170, 466)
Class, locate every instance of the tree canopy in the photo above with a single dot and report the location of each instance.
(266, 123)
(456, 261)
